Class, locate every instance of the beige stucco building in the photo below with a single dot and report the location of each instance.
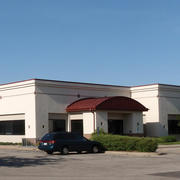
(31, 108)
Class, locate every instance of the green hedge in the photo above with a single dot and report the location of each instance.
(166, 139)
(126, 143)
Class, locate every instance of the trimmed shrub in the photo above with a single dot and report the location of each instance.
(169, 139)
(125, 143)
(165, 139)
(146, 145)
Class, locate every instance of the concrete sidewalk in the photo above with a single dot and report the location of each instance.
(169, 146)
(134, 153)
(19, 147)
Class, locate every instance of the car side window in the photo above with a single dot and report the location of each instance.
(61, 137)
(71, 137)
(80, 138)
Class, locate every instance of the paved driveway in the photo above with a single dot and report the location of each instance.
(22, 165)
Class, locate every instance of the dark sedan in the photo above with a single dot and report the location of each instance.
(66, 142)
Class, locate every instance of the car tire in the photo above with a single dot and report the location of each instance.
(79, 152)
(49, 152)
(65, 150)
(95, 149)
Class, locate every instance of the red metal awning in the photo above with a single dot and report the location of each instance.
(118, 103)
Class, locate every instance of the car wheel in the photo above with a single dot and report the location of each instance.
(49, 152)
(79, 152)
(65, 150)
(95, 149)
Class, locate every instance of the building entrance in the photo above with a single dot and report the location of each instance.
(77, 126)
(115, 126)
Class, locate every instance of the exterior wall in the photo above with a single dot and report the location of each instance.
(11, 138)
(101, 120)
(148, 96)
(19, 98)
(76, 116)
(128, 124)
(132, 121)
(161, 100)
(88, 123)
(137, 123)
(37, 98)
(169, 104)
(54, 97)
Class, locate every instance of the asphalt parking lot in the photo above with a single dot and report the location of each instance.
(31, 165)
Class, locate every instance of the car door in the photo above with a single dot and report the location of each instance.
(82, 144)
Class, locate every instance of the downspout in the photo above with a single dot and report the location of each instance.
(93, 120)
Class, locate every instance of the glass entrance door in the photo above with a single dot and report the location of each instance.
(115, 126)
(77, 126)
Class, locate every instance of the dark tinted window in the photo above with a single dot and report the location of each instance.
(48, 137)
(77, 126)
(61, 136)
(80, 138)
(71, 136)
(174, 126)
(16, 127)
(65, 136)
(59, 125)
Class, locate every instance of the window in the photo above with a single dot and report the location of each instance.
(57, 125)
(80, 138)
(62, 136)
(12, 127)
(174, 126)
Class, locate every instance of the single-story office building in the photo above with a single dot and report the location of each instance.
(31, 108)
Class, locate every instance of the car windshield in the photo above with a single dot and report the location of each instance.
(47, 137)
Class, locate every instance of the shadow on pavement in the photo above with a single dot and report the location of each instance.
(174, 174)
(18, 162)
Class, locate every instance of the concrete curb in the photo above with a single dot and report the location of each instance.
(140, 154)
(18, 147)
(169, 146)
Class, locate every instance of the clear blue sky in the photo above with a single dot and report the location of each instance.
(122, 42)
